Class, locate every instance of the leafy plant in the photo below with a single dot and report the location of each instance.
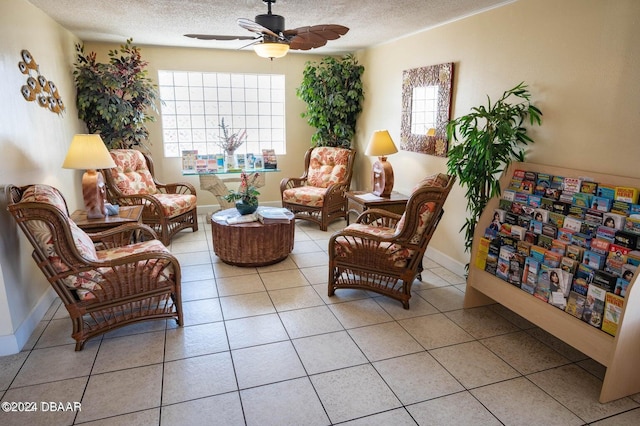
(113, 98)
(247, 191)
(333, 93)
(486, 141)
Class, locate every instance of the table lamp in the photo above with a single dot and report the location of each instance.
(88, 152)
(381, 145)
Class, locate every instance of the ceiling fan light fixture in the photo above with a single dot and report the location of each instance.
(271, 49)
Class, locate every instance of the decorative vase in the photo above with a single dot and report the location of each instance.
(245, 208)
(229, 160)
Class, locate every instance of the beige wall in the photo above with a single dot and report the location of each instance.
(33, 143)
(580, 58)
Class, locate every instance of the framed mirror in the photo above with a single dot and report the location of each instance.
(426, 109)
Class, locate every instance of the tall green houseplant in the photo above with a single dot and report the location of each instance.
(115, 98)
(485, 142)
(333, 92)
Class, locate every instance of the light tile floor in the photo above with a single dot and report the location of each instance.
(266, 346)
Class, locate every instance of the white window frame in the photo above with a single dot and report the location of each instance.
(194, 103)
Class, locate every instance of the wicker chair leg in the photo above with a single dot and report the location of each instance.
(178, 303)
(80, 345)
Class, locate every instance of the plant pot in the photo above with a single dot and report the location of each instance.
(246, 208)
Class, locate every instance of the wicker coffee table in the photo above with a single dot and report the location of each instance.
(252, 243)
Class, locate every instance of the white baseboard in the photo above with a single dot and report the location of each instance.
(13, 343)
(446, 261)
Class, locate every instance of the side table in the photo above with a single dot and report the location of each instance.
(359, 201)
(126, 214)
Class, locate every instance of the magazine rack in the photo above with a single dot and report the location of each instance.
(618, 354)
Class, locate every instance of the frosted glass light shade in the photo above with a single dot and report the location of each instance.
(271, 50)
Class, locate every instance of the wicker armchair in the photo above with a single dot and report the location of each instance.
(382, 252)
(103, 279)
(319, 194)
(168, 208)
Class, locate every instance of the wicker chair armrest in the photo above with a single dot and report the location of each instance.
(121, 235)
(288, 183)
(379, 217)
(177, 188)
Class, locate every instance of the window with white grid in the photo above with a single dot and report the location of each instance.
(194, 104)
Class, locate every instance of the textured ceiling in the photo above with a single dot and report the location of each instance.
(164, 22)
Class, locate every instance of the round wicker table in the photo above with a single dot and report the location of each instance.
(250, 243)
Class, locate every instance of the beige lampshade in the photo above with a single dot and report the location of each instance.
(88, 152)
(271, 49)
(381, 144)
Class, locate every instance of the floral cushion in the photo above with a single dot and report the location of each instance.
(131, 174)
(142, 247)
(175, 204)
(305, 195)
(327, 166)
(42, 232)
(438, 180)
(394, 252)
(88, 283)
(45, 194)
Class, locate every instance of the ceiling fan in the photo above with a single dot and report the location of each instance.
(273, 41)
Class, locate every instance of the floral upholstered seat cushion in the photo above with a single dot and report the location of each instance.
(175, 204)
(327, 166)
(131, 174)
(305, 195)
(86, 283)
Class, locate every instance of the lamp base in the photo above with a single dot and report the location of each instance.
(93, 192)
(382, 178)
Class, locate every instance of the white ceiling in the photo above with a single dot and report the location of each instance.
(164, 22)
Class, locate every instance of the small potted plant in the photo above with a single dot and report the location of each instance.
(246, 197)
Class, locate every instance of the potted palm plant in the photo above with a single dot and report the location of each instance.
(485, 142)
(333, 92)
(115, 98)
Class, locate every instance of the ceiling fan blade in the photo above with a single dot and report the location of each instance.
(250, 25)
(327, 31)
(310, 37)
(218, 37)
